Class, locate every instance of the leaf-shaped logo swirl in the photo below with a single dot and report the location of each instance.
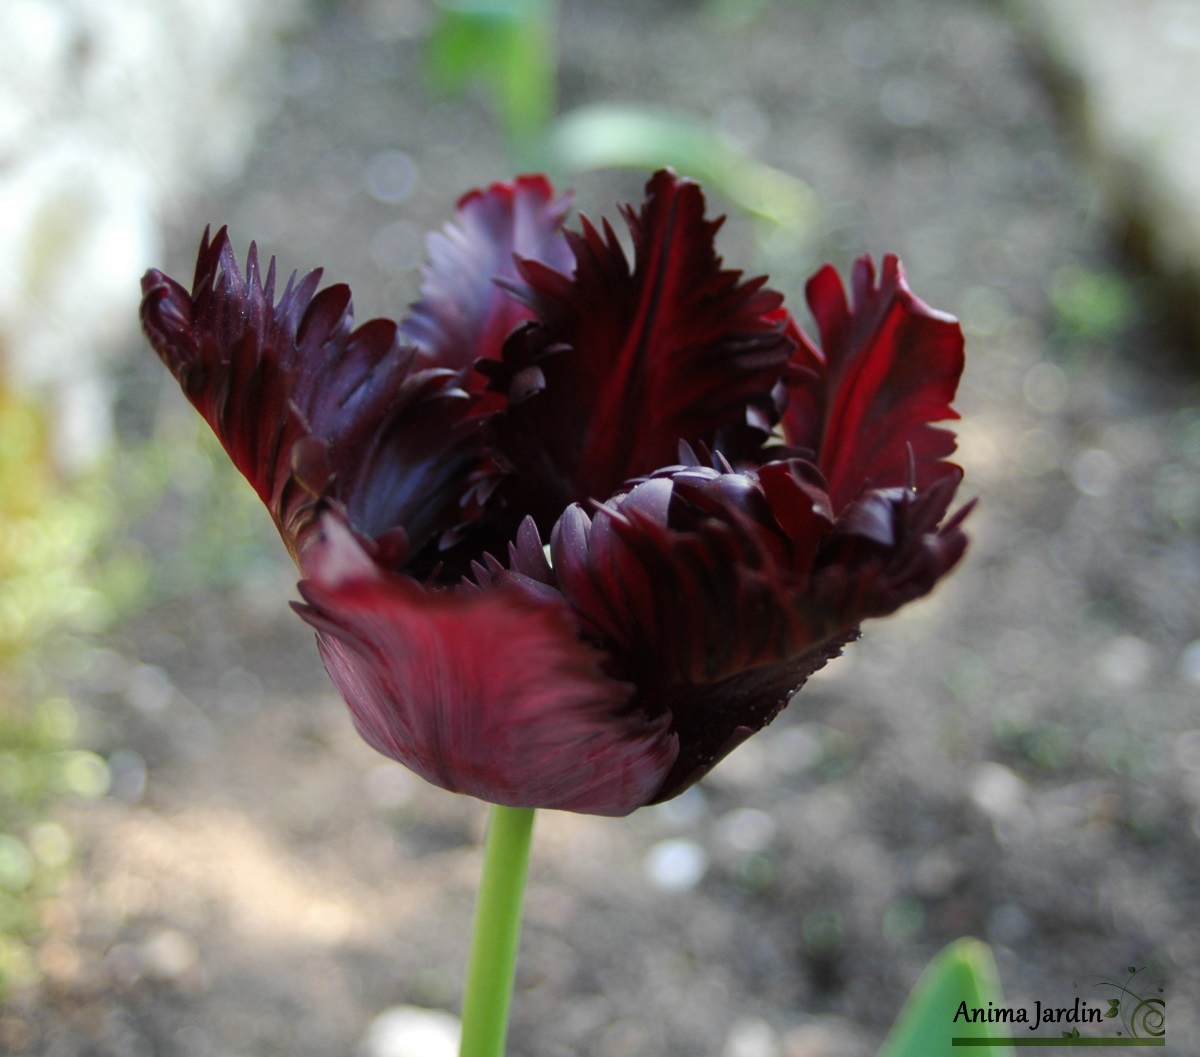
(1148, 1016)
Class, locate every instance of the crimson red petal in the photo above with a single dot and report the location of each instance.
(486, 693)
(887, 367)
(628, 361)
(311, 410)
(467, 308)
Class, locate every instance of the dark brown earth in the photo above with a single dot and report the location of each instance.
(1017, 758)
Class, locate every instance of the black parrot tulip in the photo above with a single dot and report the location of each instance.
(579, 525)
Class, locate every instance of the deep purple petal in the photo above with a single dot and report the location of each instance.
(887, 367)
(889, 549)
(311, 410)
(467, 308)
(689, 592)
(712, 720)
(681, 584)
(719, 593)
(486, 693)
(629, 361)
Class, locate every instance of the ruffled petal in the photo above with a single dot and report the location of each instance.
(691, 594)
(311, 410)
(887, 367)
(467, 307)
(628, 361)
(719, 593)
(687, 579)
(889, 549)
(489, 693)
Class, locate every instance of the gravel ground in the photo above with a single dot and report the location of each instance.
(1016, 758)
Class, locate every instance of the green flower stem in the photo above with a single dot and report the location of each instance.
(497, 929)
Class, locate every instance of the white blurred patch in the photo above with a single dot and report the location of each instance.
(1094, 472)
(676, 865)
(1126, 660)
(999, 792)
(410, 1031)
(111, 116)
(751, 1037)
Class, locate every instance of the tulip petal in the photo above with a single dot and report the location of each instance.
(887, 367)
(706, 621)
(888, 550)
(632, 360)
(488, 693)
(711, 720)
(311, 410)
(718, 594)
(466, 310)
(682, 584)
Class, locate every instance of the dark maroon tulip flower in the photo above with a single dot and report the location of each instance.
(579, 526)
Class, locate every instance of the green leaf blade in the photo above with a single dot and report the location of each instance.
(964, 972)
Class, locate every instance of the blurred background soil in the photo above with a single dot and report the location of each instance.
(1016, 758)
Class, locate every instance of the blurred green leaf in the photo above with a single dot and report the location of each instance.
(16, 863)
(506, 47)
(1091, 304)
(963, 972)
(603, 137)
(56, 535)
